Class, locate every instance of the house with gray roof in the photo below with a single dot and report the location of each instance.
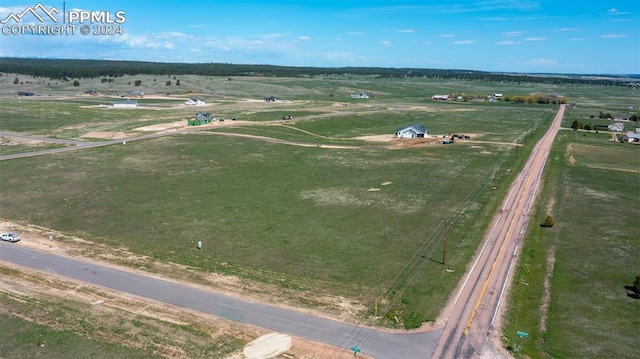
(413, 131)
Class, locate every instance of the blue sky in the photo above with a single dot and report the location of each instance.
(562, 36)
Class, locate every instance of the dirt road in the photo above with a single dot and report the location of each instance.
(474, 308)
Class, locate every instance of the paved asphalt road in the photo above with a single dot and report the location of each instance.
(471, 319)
(372, 342)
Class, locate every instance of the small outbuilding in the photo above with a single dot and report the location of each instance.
(360, 95)
(128, 103)
(413, 131)
(201, 118)
(194, 101)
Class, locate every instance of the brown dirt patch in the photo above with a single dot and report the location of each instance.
(417, 142)
(546, 293)
(376, 138)
(105, 134)
(13, 141)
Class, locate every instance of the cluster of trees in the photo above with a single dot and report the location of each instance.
(537, 98)
(607, 116)
(66, 68)
(577, 125)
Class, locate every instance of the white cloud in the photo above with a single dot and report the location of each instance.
(435, 62)
(564, 29)
(446, 35)
(304, 38)
(355, 33)
(612, 36)
(385, 43)
(163, 40)
(542, 62)
(509, 42)
(513, 33)
(493, 19)
(266, 42)
(406, 31)
(614, 11)
(535, 39)
(464, 42)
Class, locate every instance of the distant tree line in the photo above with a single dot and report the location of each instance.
(68, 68)
(537, 98)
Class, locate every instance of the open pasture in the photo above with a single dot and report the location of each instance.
(366, 223)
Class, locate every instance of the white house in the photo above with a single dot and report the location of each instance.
(632, 137)
(440, 97)
(135, 93)
(616, 127)
(194, 101)
(128, 103)
(360, 95)
(413, 131)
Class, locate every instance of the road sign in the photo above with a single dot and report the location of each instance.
(355, 349)
(522, 334)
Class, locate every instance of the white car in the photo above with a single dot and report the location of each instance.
(10, 237)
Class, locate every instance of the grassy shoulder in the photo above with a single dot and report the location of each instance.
(569, 291)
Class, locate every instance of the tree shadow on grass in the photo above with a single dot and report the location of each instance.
(631, 292)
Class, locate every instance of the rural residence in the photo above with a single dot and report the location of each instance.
(360, 95)
(616, 127)
(632, 137)
(413, 131)
(201, 118)
(440, 97)
(135, 93)
(194, 101)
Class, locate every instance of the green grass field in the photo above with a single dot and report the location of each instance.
(366, 223)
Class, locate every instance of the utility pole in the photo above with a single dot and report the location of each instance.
(444, 245)
(494, 177)
(517, 145)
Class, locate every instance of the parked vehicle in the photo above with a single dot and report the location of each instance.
(10, 237)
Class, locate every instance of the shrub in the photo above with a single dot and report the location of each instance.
(548, 222)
